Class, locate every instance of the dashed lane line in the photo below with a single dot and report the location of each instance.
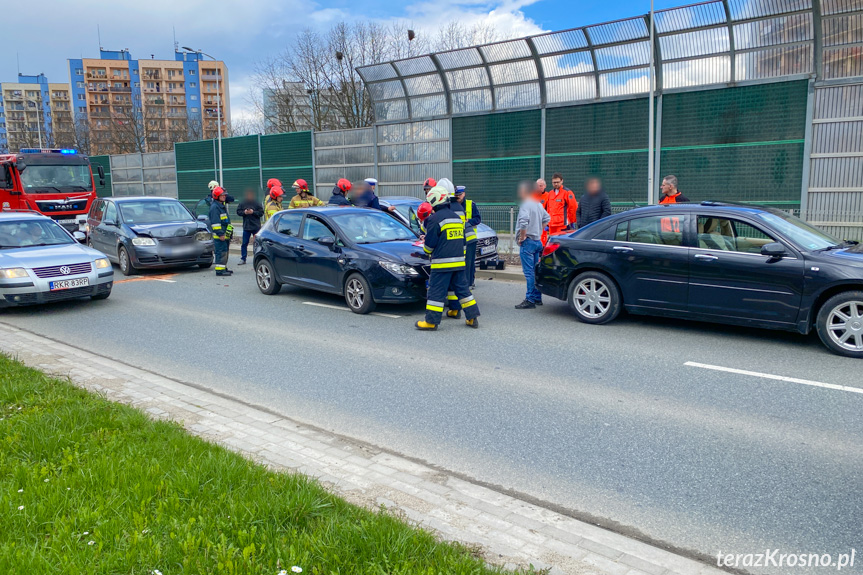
(338, 307)
(775, 377)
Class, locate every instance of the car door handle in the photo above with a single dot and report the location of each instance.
(706, 257)
(622, 249)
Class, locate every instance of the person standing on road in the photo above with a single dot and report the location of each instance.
(539, 192)
(251, 210)
(339, 196)
(220, 223)
(368, 199)
(303, 198)
(531, 221)
(562, 207)
(444, 242)
(273, 203)
(229, 199)
(470, 214)
(594, 204)
(670, 193)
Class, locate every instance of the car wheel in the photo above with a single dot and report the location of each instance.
(840, 324)
(125, 262)
(594, 298)
(266, 279)
(358, 294)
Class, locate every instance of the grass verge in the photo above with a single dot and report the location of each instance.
(91, 486)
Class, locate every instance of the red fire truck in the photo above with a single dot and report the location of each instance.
(55, 182)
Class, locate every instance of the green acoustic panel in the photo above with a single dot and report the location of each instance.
(497, 180)
(623, 175)
(597, 127)
(105, 162)
(513, 134)
(238, 180)
(240, 152)
(286, 150)
(289, 176)
(760, 173)
(195, 156)
(192, 186)
(766, 112)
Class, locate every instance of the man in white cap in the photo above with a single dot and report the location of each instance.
(368, 199)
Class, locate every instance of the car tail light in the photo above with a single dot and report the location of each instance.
(550, 248)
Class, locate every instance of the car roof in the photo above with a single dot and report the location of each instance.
(21, 215)
(399, 199)
(139, 199)
(713, 206)
(329, 210)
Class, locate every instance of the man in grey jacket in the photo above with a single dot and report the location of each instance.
(532, 219)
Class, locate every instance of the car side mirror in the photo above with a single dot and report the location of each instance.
(328, 241)
(20, 165)
(203, 218)
(8, 182)
(78, 235)
(101, 172)
(773, 250)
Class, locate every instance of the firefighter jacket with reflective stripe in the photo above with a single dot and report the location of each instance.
(444, 239)
(220, 221)
(271, 207)
(469, 214)
(308, 202)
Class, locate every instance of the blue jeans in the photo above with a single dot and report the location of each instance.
(530, 253)
(244, 248)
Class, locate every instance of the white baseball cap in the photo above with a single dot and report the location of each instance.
(371, 181)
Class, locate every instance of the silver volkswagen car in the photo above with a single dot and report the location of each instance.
(41, 262)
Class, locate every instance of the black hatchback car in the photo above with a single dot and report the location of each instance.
(364, 255)
(714, 262)
(148, 232)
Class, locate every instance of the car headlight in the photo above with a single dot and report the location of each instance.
(143, 242)
(399, 269)
(101, 263)
(10, 273)
(203, 236)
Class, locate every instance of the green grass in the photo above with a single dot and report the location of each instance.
(106, 490)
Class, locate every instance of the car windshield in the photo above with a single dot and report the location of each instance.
(372, 227)
(799, 232)
(32, 233)
(52, 178)
(154, 212)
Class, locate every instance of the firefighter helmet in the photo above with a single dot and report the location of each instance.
(273, 182)
(213, 185)
(424, 210)
(429, 184)
(218, 192)
(277, 192)
(300, 185)
(437, 195)
(344, 185)
(448, 186)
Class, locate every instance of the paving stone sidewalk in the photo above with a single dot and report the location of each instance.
(504, 529)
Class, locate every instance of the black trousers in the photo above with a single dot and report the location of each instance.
(470, 260)
(439, 284)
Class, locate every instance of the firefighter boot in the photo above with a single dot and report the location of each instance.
(474, 323)
(453, 313)
(425, 326)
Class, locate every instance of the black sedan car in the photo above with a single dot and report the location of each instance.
(714, 262)
(148, 232)
(364, 255)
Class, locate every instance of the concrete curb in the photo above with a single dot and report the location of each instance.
(507, 530)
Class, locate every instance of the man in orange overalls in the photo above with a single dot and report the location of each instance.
(561, 205)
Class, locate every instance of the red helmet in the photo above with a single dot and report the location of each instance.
(277, 191)
(300, 185)
(344, 185)
(424, 211)
(430, 183)
(273, 182)
(218, 192)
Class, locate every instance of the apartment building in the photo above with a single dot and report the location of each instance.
(35, 113)
(147, 105)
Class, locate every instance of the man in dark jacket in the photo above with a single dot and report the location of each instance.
(251, 210)
(367, 198)
(339, 196)
(594, 204)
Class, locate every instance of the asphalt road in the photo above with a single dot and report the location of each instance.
(606, 422)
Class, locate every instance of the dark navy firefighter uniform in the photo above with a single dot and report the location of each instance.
(471, 218)
(220, 223)
(444, 241)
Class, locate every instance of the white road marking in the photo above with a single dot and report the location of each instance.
(389, 315)
(775, 377)
(166, 281)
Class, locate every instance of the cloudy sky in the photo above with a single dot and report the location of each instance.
(242, 32)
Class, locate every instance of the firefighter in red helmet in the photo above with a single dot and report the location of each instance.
(339, 196)
(220, 223)
(303, 197)
(273, 201)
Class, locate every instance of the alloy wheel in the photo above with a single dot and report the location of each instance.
(124, 261)
(264, 277)
(845, 325)
(592, 298)
(356, 293)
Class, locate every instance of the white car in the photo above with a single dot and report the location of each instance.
(41, 262)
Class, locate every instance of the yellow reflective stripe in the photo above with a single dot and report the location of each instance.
(469, 237)
(427, 249)
(452, 297)
(467, 299)
(449, 265)
(468, 304)
(434, 308)
(452, 227)
(224, 216)
(468, 208)
(217, 226)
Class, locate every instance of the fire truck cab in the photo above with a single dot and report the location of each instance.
(55, 182)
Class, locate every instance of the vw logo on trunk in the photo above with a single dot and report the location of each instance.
(65, 270)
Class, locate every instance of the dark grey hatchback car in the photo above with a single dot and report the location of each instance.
(716, 262)
(148, 232)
